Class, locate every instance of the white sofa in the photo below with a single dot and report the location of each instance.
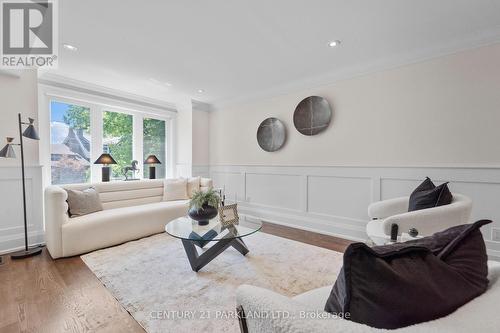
(426, 221)
(268, 311)
(131, 210)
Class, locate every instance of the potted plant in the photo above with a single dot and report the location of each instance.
(203, 206)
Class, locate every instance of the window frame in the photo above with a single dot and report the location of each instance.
(97, 106)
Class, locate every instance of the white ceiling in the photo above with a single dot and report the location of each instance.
(235, 49)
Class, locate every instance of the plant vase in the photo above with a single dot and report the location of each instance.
(204, 214)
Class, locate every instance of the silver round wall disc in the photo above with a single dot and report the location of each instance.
(312, 115)
(271, 134)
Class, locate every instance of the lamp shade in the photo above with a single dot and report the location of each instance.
(8, 151)
(30, 132)
(105, 159)
(152, 159)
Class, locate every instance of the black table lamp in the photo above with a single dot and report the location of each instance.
(152, 159)
(8, 152)
(105, 160)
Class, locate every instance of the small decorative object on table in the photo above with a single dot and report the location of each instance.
(152, 160)
(105, 159)
(133, 167)
(413, 232)
(228, 215)
(203, 206)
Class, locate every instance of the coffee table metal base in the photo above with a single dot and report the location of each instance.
(198, 261)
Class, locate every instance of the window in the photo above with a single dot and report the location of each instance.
(117, 140)
(69, 143)
(81, 130)
(154, 144)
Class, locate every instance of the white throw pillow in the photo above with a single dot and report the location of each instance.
(175, 189)
(206, 184)
(193, 185)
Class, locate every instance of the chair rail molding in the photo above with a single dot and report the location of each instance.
(12, 225)
(334, 200)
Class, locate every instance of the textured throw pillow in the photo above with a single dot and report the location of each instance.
(193, 185)
(83, 202)
(206, 184)
(175, 189)
(402, 284)
(427, 195)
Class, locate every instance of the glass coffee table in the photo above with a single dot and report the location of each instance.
(193, 235)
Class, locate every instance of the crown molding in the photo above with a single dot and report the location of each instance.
(458, 45)
(200, 106)
(59, 81)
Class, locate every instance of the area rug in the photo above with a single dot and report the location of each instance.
(152, 279)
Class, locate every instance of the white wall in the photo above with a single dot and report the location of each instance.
(200, 138)
(440, 112)
(192, 139)
(184, 141)
(19, 94)
(390, 129)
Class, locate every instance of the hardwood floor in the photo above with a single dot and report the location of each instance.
(43, 295)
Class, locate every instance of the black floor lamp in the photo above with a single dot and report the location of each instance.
(8, 152)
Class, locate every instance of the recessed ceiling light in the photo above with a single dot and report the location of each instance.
(334, 43)
(70, 47)
(201, 91)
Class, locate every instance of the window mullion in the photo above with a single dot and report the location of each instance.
(96, 133)
(138, 142)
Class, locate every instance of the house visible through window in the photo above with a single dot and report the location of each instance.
(70, 143)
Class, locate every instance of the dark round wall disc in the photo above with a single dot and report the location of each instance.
(271, 134)
(312, 115)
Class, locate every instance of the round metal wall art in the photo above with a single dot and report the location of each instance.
(271, 134)
(312, 115)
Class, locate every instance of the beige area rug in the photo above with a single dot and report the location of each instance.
(153, 281)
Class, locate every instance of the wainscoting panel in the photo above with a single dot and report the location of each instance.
(11, 206)
(345, 197)
(334, 200)
(273, 190)
(233, 184)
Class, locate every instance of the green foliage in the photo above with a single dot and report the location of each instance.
(119, 125)
(78, 117)
(154, 143)
(200, 198)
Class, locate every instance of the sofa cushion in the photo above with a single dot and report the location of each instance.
(206, 184)
(175, 189)
(193, 185)
(83, 202)
(427, 195)
(397, 285)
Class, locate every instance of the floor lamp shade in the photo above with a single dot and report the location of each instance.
(30, 132)
(8, 152)
(105, 159)
(152, 160)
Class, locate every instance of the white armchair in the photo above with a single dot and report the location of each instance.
(267, 311)
(426, 221)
